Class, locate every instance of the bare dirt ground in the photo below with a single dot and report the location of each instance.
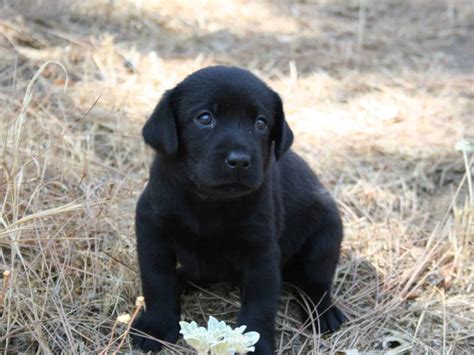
(377, 92)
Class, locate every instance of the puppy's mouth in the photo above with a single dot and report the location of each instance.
(223, 191)
(232, 188)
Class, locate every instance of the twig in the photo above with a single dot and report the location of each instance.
(139, 303)
(6, 278)
(111, 340)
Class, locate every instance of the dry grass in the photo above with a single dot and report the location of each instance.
(378, 93)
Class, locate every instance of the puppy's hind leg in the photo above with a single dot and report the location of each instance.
(312, 269)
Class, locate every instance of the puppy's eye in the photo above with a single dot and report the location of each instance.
(261, 123)
(205, 119)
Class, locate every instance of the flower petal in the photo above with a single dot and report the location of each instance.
(212, 324)
(197, 343)
(240, 329)
(221, 348)
(251, 338)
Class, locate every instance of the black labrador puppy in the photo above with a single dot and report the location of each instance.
(228, 201)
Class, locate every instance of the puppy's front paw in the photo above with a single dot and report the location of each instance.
(162, 327)
(330, 320)
(264, 347)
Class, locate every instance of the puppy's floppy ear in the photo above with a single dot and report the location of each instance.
(282, 134)
(160, 130)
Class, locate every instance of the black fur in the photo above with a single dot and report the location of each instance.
(229, 202)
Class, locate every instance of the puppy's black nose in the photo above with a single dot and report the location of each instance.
(238, 160)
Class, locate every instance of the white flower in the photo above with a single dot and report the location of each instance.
(218, 338)
(243, 343)
(188, 328)
(222, 348)
(195, 336)
(201, 345)
(217, 330)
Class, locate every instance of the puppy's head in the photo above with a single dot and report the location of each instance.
(220, 127)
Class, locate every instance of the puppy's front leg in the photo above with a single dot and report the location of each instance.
(260, 291)
(157, 260)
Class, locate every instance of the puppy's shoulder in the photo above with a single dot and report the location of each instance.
(294, 170)
(300, 185)
(161, 196)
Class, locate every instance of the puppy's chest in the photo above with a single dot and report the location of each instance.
(208, 259)
(212, 224)
(210, 244)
